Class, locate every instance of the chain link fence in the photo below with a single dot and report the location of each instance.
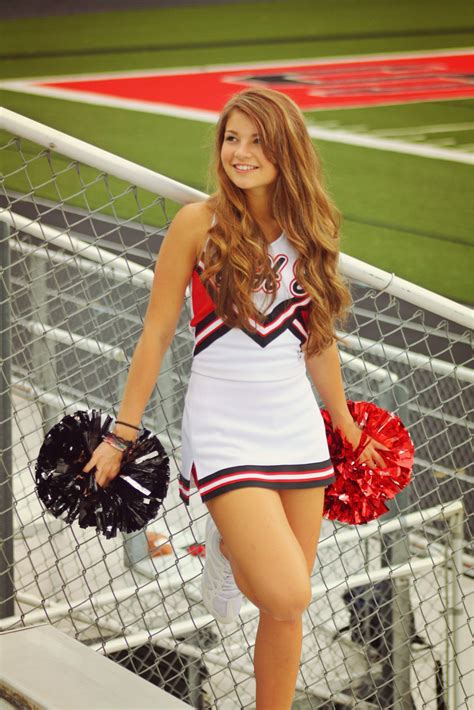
(388, 623)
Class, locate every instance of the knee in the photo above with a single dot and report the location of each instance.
(288, 604)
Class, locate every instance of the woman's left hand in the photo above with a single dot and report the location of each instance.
(370, 454)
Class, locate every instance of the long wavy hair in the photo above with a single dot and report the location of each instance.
(236, 257)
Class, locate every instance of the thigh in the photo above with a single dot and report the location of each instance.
(304, 511)
(255, 528)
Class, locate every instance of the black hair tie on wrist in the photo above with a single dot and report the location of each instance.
(126, 424)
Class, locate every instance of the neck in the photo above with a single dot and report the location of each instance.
(259, 206)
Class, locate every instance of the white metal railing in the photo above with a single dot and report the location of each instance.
(86, 286)
(451, 512)
(118, 267)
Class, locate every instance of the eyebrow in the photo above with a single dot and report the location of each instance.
(229, 130)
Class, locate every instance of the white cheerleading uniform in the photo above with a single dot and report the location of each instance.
(250, 416)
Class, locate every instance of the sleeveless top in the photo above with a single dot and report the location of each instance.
(274, 351)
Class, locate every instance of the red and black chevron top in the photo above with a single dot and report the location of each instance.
(274, 351)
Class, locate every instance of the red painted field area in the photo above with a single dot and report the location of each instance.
(341, 83)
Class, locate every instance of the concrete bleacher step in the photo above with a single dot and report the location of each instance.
(42, 668)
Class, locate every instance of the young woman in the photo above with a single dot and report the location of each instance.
(261, 255)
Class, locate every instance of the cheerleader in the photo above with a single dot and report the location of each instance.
(261, 259)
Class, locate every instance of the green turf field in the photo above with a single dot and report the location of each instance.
(407, 214)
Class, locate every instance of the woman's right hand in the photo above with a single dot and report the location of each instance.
(107, 461)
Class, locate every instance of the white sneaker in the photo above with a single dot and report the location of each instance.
(220, 594)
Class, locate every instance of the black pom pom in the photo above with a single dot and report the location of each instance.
(128, 503)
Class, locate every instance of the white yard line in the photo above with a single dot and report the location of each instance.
(88, 97)
(394, 146)
(357, 58)
(413, 130)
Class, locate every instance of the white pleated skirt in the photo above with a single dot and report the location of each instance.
(238, 433)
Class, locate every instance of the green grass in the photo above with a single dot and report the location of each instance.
(249, 22)
(405, 214)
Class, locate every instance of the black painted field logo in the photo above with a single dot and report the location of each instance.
(342, 82)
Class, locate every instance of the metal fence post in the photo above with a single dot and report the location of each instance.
(454, 612)
(395, 551)
(6, 439)
(43, 350)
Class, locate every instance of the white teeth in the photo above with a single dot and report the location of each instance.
(245, 167)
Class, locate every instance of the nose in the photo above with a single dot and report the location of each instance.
(242, 150)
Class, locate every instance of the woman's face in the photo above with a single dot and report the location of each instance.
(242, 156)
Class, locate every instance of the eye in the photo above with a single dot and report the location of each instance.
(257, 140)
(228, 139)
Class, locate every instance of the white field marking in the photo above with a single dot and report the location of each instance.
(394, 146)
(358, 58)
(325, 134)
(88, 97)
(439, 128)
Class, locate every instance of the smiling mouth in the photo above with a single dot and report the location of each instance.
(242, 168)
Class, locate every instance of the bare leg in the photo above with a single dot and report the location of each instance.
(276, 661)
(278, 643)
(270, 539)
(238, 576)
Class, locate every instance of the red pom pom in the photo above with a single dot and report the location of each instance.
(359, 493)
(197, 550)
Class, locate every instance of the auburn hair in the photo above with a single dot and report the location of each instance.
(236, 258)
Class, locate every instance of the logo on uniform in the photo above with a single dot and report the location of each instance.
(278, 264)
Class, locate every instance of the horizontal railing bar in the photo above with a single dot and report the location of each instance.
(118, 274)
(363, 367)
(144, 229)
(417, 295)
(65, 337)
(408, 520)
(392, 353)
(124, 268)
(64, 239)
(57, 611)
(127, 268)
(63, 403)
(408, 323)
(451, 472)
(183, 627)
(442, 416)
(445, 511)
(119, 271)
(26, 391)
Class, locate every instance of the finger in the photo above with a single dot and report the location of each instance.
(375, 460)
(104, 479)
(379, 445)
(101, 479)
(89, 465)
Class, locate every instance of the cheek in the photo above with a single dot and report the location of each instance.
(225, 152)
(272, 170)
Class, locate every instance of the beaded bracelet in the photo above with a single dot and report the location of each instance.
(117, 442)
(111, 443)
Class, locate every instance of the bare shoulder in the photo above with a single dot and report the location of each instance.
(196, 219)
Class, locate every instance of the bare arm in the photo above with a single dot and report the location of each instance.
(173, 269)
(325, 372)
